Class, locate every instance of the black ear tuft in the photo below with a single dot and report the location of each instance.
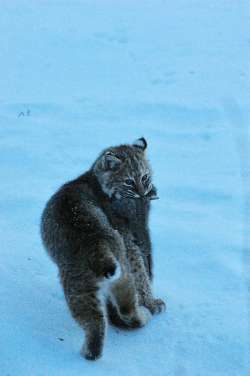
(141, 143)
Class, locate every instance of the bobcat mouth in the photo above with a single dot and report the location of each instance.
(130, 194)
(152, 194)
(153, 198)
(135, 196)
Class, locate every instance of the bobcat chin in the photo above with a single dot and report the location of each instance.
(95, 228)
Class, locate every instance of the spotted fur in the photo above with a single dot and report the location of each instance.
(95, 228)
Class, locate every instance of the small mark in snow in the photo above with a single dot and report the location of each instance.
(24, 113)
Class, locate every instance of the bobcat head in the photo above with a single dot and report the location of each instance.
(124, 172)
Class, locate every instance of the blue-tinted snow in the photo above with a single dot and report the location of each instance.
(78, 76)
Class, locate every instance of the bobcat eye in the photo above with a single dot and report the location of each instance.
(145, 178)
(129, 182)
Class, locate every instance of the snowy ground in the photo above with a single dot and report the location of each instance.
(77, 76)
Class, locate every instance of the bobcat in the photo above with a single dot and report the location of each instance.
(95, 228)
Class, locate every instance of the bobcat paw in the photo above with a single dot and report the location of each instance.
(90, 354)
(144, 315)
(156, 306)
(137, 319)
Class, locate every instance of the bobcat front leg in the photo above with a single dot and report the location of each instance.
(142, 281)
(125, 298)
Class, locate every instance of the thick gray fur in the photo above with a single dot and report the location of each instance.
(95, 228)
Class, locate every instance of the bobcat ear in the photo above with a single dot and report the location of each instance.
(141, 143)
(111, 161)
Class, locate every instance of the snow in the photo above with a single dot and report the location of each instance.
(78, 76)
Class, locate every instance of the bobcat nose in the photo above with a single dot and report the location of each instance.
(141, 190)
